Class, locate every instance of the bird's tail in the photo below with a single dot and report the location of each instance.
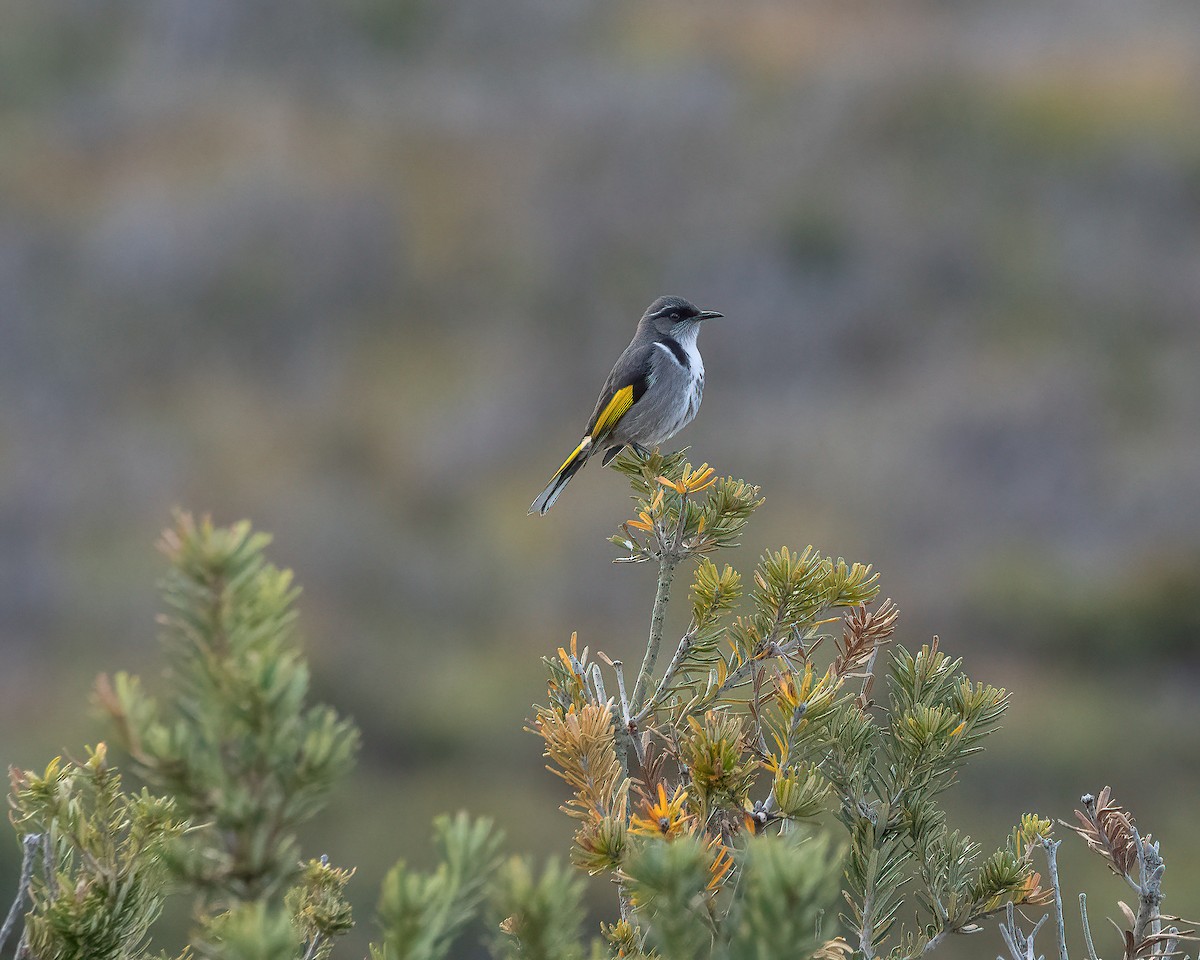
(571, 466)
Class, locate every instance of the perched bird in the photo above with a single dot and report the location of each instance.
(652, 393)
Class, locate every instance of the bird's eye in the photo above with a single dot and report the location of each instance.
(675, 317)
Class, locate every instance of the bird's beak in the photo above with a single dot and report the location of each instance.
(708, 315)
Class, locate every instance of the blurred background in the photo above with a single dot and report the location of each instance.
(356, 269)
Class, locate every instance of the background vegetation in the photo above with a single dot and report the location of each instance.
(355, 270)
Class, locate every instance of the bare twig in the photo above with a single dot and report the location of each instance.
(628, 720)
(29, 845)
(619, 669)
(1051, 847)
(598, 683)
(1171, 945)
(1087, 928)
(1020, 946)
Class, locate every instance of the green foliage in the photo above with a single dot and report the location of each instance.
(936, 719)
(713, 594)
(774, 911)
(251, 931)
(669, 886)
(662, 788)
(241, 758)
(791, 589)
(318, 907)
(236, 745)
(801, 793)
(423, 913)
(669, 517)
(102, 879)
(537, 917)
(786, 887)
(760, 698)
(720, 767)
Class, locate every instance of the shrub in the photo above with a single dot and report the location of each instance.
(704, 792)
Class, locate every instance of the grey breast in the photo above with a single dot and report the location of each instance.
(669, 403)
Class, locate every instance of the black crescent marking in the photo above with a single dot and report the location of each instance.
(674, 346)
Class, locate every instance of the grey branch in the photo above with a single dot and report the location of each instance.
(1087, 927)
(1051, 847)
(630, 724)
(49, 871)
(598, 683)
(666, 573)
(29, 846)
(664, 684)
(1020, 946)
(1150, 873)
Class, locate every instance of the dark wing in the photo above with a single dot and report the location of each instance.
(630, 378)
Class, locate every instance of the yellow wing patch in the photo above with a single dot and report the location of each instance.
(617, 407)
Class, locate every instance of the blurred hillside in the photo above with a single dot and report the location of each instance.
(356, 269)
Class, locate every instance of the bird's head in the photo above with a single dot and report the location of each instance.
(674, 315)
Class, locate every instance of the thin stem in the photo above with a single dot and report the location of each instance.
(677, 545)
(1087, 929)
(598, 683)
(670, 552)
(666, 573)
(1020, 947)
(868, 677)
(1171, 946)
(629, 723)
(756, 711)
(1029, 952)
(625, 901)
(1052, 857)
(867, 933)
(312, 947)
(660, 691)
(798, 713)
(1006, 933)
(737, 675)
(29, 845)
(619, 669)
